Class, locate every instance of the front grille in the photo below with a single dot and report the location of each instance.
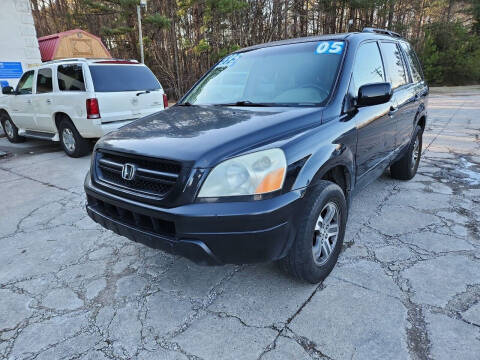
(153, 177)
(134, 219)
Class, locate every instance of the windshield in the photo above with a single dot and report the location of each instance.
(289, 75)
(115, 78)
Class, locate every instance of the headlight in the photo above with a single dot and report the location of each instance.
(257, 173)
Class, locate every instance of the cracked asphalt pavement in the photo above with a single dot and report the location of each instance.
(407, 285)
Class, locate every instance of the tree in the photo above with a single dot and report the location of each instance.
(183, 38)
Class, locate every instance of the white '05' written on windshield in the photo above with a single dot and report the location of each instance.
(330, 47)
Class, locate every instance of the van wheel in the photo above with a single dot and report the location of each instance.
(11, 131)
(320, 234)
(406, 167)
(72, 142)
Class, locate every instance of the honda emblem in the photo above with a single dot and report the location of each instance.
(128, 171)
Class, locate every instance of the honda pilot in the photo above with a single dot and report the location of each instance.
(259, 161)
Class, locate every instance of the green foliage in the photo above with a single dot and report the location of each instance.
(128, 3)
(202, 47)
(158, 20)
(475, 11)
(224, 52)
(450, 55)
(121, 30)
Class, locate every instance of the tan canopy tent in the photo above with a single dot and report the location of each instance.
(72, 44)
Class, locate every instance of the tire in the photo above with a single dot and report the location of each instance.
(11, 131)
(406, 167)
(72, 142)
(304, 260)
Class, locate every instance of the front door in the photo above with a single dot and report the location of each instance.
(22, 112)
(375, 126)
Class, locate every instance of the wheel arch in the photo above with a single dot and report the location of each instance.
(338, 173)
(422, 121)
(58, 117)
(4, 111)
(337, 168)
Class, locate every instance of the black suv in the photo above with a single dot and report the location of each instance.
(260, 159)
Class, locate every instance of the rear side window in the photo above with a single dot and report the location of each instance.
(44, 81)
(70, 78)
(24, 86)
(412, 59)
(393, 58)
(368, 66)
(116, 78)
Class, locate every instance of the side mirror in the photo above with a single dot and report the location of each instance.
(7, 90)
(374, 94)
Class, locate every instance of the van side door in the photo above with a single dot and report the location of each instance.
(22, 112)
(374, 125)
(43, 100)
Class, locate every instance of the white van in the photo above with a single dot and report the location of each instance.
(73, 100)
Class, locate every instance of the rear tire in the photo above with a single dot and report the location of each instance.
(314, 252)
(11, 131)
(406, 167)
(72, 142)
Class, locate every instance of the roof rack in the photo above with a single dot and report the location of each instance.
(87, 59)
(381, 31)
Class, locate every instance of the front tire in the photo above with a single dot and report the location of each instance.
(320, 234)
(406, 167)
(72, 142)
(11, 131)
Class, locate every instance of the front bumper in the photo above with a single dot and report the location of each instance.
(206, 233)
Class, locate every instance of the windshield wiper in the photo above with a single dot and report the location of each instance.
(245, 103)
(143, 92)
(185, 104)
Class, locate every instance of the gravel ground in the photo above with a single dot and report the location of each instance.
(407, 284)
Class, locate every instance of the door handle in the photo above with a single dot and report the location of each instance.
(29, 101)
(49, 101)
(393, 110)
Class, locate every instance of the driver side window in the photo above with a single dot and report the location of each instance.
(368, 66)
(25, 84)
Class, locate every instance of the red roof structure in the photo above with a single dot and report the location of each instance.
(72, 43)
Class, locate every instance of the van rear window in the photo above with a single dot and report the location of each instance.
(116, 78)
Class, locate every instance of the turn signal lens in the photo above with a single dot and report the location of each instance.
(272, 182)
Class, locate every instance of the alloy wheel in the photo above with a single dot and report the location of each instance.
(416, 152)
(326, 233)
(9, 129)
(68, 140)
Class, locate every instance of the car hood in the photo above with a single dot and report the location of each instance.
(205, 135)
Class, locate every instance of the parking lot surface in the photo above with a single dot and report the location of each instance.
(407, 284)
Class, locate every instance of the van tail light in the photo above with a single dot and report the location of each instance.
(165, 101)
(93, 111)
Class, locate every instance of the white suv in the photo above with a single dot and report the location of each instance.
(73, 100)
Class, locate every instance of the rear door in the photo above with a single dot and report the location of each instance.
(70, 98)
(403, 95)
(22, 112)
(43, 100)
(419, 89)
(125, 91)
